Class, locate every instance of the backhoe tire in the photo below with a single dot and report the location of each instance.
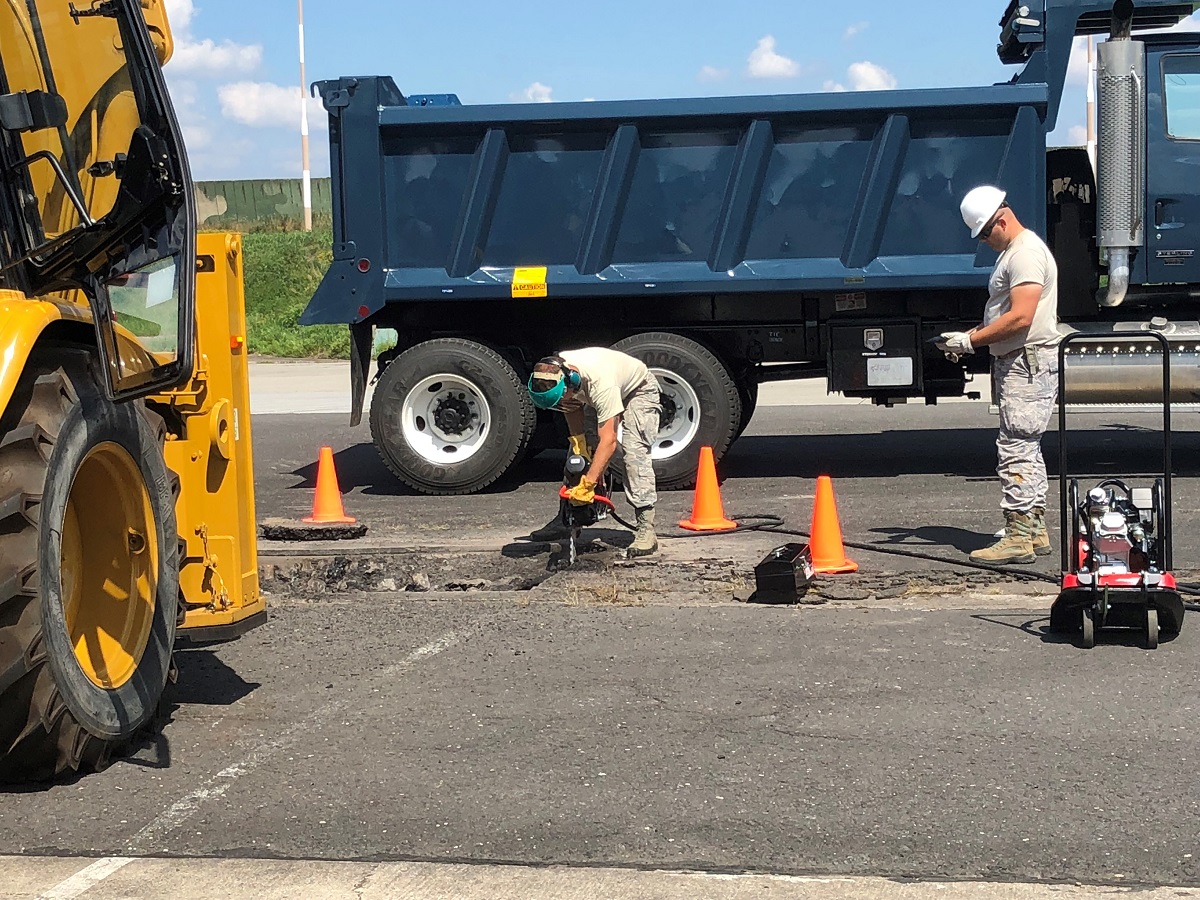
(701, 405)
(450, 416)
(89, 571)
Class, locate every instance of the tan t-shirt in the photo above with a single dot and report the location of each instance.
(610, 379)
(1027, 260)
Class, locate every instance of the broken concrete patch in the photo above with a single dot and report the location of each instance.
(295, 530)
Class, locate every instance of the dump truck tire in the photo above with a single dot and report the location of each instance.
(89, 571)
(701, 406)
(450, 416)
(748, 394)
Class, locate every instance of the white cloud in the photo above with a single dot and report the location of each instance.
(1077, 135)
(764, 62)
(535, 93)
(1077, 68)
(262, 104)
(866, 76)
(179, 14)
(856, 29)
(185, 98)
(712, 73)
(210, 58)
(206, 57)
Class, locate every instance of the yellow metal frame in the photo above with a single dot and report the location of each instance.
(24, 321)
(208, 436)
(208, 419)
(211, 453)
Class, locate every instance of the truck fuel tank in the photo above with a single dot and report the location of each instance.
(1128, 368)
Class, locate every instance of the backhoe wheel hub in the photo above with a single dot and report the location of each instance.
(109, 566)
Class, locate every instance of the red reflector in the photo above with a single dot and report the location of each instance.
(364, 265)
(363, 312)
(236, 342)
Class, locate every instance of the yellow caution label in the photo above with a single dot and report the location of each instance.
(529, 281)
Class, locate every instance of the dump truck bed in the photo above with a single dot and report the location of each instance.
(786, 193)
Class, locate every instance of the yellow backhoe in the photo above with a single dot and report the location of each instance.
(126, 484)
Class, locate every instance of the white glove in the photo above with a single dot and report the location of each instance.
(956, 342)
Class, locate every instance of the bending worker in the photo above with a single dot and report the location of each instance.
(1020, 328)
(621, 391)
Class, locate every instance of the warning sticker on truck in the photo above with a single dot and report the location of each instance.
(529, 281)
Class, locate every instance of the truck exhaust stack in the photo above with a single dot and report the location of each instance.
(1121, 159)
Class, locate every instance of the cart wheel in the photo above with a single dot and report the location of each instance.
(1089, 629)
(1151, 628)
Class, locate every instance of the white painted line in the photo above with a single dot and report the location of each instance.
(150, 838)
(86, 879)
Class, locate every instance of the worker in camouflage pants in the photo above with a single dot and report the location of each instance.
(1020, 327)
(618, 390)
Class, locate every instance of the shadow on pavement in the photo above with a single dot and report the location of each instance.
(935, 536)
(1040, 628)
(205, 679)
(1102, 450)
(360, 467)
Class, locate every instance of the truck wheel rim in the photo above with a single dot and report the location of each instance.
(680, 421)
(445, 419)
(109, 569)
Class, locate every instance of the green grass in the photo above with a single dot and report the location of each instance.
(283, 269)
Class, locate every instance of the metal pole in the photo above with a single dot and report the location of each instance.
(1091, 101)
(307, 171)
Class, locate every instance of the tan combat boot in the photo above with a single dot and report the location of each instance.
(1017, 544)
(1041, 536)
(645, 541)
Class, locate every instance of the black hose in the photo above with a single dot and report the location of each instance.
(773, 524)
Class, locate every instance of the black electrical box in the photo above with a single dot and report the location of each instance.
(784, 575)
(875, 359)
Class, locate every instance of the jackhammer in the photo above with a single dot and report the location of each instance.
(574, 516)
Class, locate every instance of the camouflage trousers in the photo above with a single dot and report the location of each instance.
(639, 431)
(1026, 386)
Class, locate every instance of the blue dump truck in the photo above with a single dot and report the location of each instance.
(732, 241)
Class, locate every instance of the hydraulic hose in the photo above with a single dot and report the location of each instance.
(773, 524)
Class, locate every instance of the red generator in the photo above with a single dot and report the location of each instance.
(1116, 539)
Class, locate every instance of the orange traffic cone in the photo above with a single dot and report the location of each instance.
(707, 512)
(828, 553)
(327, 503)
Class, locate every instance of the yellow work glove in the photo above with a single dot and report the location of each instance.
(583, 493)
(579, 446)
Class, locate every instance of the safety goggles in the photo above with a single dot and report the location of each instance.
(549, 398)
(990, 227)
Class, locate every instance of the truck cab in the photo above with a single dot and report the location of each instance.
(1170, 261)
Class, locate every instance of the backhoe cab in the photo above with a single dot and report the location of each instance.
(126, 489)
(96, 203)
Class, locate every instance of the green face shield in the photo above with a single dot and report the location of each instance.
(550, 398)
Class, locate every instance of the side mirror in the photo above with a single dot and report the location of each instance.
(32, 111)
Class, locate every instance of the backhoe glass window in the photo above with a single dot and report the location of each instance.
(1181, 86)
(42, 49)
(146, 304)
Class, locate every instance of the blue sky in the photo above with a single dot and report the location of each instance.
(235, 74)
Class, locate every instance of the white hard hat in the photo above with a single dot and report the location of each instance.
(979, 206)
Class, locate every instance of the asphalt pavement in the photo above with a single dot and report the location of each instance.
(438, 715)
